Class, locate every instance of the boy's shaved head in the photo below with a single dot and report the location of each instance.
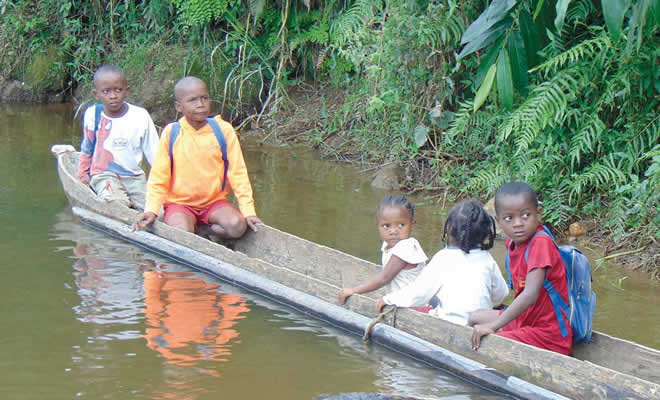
(513, 189)
(109, 69)
(184, 84)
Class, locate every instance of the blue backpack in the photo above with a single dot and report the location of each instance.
(220, 137)
(582, 300)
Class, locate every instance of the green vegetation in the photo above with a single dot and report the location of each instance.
(561, 93)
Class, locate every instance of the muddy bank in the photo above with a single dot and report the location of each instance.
(17, 92)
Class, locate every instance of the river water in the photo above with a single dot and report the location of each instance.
(87, 316)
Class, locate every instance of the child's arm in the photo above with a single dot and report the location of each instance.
(158, 184)
(421, 290)
(237, 175)
(393, 267)
(533, 286)
(150, 140)
(86, 153)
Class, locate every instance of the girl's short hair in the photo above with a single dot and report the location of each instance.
(470, 226)
(396, 200)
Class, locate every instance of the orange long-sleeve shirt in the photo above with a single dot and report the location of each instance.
(198, 170)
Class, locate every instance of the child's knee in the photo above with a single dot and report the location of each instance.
(236, 225)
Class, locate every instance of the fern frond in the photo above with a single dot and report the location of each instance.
(461, 122)
(600, 173)
(346, 24)
(469, 130)
(547, 102)
(200, 12)
(649, 136)
(447, 28)
(586, 139)
(556, 208)
(583, 51)
(488, 180)
(578, 12)
(529, 167)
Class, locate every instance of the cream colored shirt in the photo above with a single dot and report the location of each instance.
(410, 251)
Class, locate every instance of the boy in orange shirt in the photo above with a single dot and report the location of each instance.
(188, 175)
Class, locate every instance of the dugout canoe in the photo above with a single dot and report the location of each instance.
(308, 276)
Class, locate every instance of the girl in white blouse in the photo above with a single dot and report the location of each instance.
(462, 277)
(403, 257)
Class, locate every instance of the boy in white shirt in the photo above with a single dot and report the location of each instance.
(116, 135)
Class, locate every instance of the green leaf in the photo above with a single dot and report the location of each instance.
(489, 59)
(487, 38)
(614, 11)
(485, 87)
(531, 38)
(496, 11)
(518, 60)
(421, 134)
(504, 80)
(561, 7)
(539, 7)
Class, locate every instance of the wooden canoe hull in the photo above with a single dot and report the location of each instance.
(607, 368)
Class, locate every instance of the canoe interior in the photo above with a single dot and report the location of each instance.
(606, 368)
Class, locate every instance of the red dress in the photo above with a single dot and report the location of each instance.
(538, 326)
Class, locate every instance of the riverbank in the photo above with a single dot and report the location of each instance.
(303, 119)
(311, 106)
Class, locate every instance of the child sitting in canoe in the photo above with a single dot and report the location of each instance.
(403, 257)
(531, 316)
(198, 159)
(115, 136)
(462, 277)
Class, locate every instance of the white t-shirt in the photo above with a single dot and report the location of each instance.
(120, 142)
(462, 282)
(410, 251)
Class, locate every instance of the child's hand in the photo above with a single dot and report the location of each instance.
(84, 178)
(380, 304)
(344, 294)
(478, 332)
(252, 222)
(143, 220)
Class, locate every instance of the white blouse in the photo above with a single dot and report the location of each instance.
(410, 251)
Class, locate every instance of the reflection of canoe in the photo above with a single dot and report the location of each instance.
(308, 276)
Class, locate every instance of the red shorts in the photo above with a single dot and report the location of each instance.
(200, 216)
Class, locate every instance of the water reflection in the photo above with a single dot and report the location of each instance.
(110, 290)
(189, 320)
(153, 329)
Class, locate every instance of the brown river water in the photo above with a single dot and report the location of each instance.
(85, 315)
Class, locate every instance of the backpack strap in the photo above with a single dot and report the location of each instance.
(223, 146)
(509, 281)
(174, 133)
(557, 302)
(219, 136)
